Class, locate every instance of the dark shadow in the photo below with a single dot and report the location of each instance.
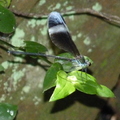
(88, 100)
(16, 116)
(117, 84)
(47, 94)
(3, 48)
(4, 35)
(89, 71)
(2, 72)
(5, 43)
(106, 113)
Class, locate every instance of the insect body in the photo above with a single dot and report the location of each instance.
(60, 36)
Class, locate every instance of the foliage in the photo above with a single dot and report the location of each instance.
(7, 20)
(5, 3)
(7, 111)
(67, 83)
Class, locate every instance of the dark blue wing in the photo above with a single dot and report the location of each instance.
(59, 33)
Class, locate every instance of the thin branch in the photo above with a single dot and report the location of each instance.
(30, 15)
(108, 17)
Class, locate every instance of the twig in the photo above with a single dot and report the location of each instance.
(30, 15)
(108, 17)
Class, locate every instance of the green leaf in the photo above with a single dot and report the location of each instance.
(51, 75)
(1, 68)
(5, 3)
(103, 91)
(7, 111)
(34, 47)
(67, 83)
(63, 87)
(7, 20)
(84, 82)
(88, 84)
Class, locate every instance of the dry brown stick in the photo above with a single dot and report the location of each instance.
(108, 17)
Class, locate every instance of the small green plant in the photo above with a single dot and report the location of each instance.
(64, 78)
(64, 73)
